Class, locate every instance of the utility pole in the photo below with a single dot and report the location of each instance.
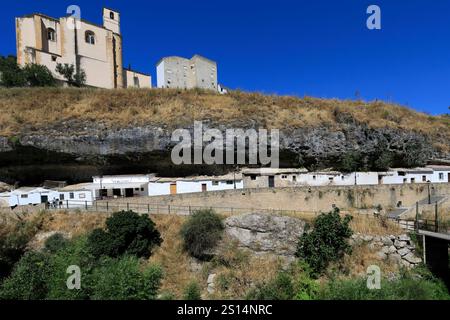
(429, 192)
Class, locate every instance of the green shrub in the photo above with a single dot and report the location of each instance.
(306, 287)
(13, 243)
(75, 253)
(123, 279)
(192, 291)
(408, 287)
(126, 233)
(10, 73)
(201, 233)
(37, 75)
(55, 243)
(279, 288)
(29, 279)
(327, 242)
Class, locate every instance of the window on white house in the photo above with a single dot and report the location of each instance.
(61, 196)
(424, 178)
(413, 180)
(441, 176)
(253, 177)
(294, 178)
(71, 195)
(111, 15)
(51, 34)
(54, 58)
(283, 177)
(90, 37)
(314, 177)
(230, 182)
(215, 183)
(136, 82)
(82, 196)
(24, 196)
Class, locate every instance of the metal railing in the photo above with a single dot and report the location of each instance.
(157, 208)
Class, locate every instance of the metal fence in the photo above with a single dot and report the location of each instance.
(157, 208)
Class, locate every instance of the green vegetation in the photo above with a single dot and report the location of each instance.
(31, 75)
(55, 243)
(201, 232)
(192, 291)
(126, 233)
(74, 78)
(122, 276)
(410, 286)
(327, 242)
(13, 243)
(279, 288)
(30, 278)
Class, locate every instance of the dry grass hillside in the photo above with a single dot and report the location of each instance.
(34, 108)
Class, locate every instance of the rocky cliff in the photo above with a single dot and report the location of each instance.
(71, 134)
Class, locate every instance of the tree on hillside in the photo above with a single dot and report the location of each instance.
(10, 73)
(37, 75)
(327, 242)
(73, 78)
(126, 233)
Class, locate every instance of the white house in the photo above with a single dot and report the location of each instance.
(31, 196)
(76, 196)
(121, 186)
(166, 186)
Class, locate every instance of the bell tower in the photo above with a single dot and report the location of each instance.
(111, 20)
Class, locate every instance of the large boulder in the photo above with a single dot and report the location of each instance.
(266, 233)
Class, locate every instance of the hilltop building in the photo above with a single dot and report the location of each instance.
(95, 49)
(182, 73)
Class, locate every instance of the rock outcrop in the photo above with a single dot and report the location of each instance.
(265, 233)
(397, 249)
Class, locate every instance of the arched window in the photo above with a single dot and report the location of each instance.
(51, 34)
(111, 15)
(90, 37)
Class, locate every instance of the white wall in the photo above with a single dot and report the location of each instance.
(32, 197)
(76, 198)
(157, 189)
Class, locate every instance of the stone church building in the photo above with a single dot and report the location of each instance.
(96, 49)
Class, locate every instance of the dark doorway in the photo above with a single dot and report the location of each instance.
(103, 193)
(271, 182)
(204, 187)
(44, 199)
(129, 193)
(117, 192)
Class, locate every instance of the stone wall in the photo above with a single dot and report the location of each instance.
(308, 199)
(397, 249)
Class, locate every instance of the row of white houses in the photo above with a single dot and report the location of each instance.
(127, 186)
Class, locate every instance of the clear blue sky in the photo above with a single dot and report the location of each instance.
(302, 47)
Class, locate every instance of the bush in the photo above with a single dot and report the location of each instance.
(327, 242)
(280, 288)
(192, 291)
(122, 279)
(55, 243)
(29, 280)
(10, 73)
(306, 287)
(37, 75)
(201, 233)
(408, 287)
(13, 243)
(76, 252)
(126, 233)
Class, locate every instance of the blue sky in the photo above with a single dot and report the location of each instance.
(302, 47)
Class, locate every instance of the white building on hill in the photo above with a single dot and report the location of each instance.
(167, 186)
(181, 73)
